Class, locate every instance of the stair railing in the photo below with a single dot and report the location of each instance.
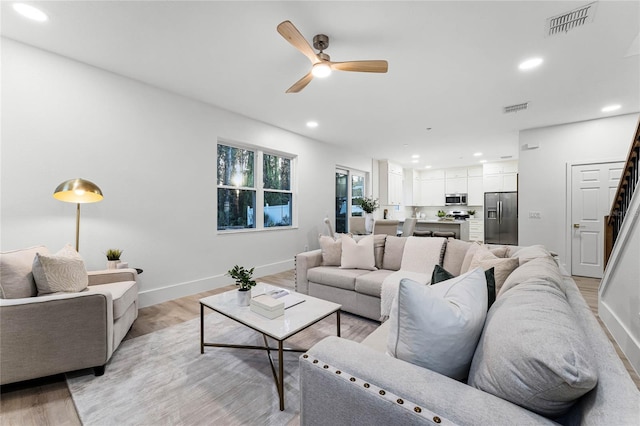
(622, 200)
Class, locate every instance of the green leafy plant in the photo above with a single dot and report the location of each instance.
(471, 212)
(242, 277)
(441, 213)
(368, 204)
(113, 254)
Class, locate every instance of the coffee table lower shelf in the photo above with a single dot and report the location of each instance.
(279, 375)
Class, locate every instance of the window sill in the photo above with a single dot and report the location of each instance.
(251, 230)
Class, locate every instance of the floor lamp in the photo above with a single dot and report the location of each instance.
(78, 191)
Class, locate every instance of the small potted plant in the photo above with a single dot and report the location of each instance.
(113, 258)
(369, 205)
(472, 213)
(244, 281)
(441, 214)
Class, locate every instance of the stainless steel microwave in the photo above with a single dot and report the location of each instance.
(455, 199)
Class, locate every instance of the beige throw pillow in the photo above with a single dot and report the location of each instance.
(331, 251)
(16, 279)
(62, 272)
(358, 255)
(486, 260)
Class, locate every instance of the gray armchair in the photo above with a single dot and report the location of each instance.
(60, 332)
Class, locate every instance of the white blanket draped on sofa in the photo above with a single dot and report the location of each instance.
(419, 257)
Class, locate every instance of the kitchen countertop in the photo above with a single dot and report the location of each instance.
(453, 222)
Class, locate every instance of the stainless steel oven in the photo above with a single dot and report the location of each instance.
(455, 199)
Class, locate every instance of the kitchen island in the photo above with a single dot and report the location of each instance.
(459, 227)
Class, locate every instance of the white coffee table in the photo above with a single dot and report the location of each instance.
(295, 319)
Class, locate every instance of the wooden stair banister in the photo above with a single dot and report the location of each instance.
(626, 187)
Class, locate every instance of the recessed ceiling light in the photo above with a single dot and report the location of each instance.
(530, 64)
(427, 167)
(477, 154)
(483, 161)
(610, 108)
(30, 12)
(415, 156)
(312, 124)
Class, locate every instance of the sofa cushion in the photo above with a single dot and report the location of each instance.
(468, 257)
(331, 250)
(358, 254)
(62, 272)
(503, 267)
(440, 274)
(543, 268)
(533, 352)
(438, 327)
(454, 255)
(422, 254)
(123, 293)
(371, 283)
(333, 276)
(16, 278)
(525, 254)
(393, 249)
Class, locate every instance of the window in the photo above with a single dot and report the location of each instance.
(277, 190)
(244, 204)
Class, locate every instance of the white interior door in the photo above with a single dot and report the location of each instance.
(593, 188)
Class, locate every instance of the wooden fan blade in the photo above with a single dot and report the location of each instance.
(300, 84)
(361, 66)
(293, 36)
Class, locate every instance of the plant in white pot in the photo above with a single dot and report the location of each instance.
(369, 205)
(244, 281)
(113, 258)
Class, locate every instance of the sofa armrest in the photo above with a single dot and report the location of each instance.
(304, 262)
(45, 335)
(108, 276)
(354, 395)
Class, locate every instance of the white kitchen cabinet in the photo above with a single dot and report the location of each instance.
(476, 230)
(432, 192)
(455, 173)
(500, 177)
(456, 185)
(391, 191)
(417, 189)
(474, 171)
(475, 191)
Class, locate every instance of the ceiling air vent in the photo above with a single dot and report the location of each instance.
(570, 20)
(516, 107)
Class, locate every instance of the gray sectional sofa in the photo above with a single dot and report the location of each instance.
(542, 357)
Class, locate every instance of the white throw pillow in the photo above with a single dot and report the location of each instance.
(438, 327)
(422, 254)
(62, 272)
(358, 255)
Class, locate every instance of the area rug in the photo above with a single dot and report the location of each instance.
(162, 379)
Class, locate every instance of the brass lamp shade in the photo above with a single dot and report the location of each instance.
(78, 191)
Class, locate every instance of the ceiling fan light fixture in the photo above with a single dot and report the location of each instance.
(321, 70)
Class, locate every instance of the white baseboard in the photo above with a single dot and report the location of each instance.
(623, 337)
(176, 291)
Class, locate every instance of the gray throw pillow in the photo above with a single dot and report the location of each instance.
(533, 352)
(16, 279)
(62, 272)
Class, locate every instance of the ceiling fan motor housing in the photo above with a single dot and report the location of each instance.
(320, 42)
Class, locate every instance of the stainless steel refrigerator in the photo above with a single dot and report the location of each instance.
(501, 218)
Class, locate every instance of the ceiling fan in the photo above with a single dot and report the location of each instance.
(322, 65)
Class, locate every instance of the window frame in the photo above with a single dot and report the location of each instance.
(258, 181)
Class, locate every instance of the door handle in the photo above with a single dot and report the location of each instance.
(576, 225)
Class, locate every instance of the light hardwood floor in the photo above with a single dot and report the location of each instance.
(48, 401)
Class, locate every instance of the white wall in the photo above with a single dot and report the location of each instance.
(542, 181)
(153, 155)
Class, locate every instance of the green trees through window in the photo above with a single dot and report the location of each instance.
(238, 197)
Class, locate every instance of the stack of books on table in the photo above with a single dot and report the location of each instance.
(267, 306)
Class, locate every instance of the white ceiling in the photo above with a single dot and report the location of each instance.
(452, 65)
